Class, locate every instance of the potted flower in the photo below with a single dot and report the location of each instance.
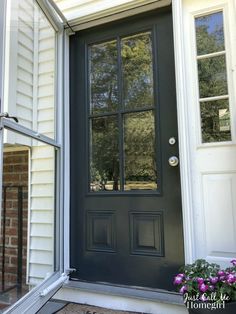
(206, 287)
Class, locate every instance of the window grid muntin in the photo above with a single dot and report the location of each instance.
(208, 56)
(121, 112)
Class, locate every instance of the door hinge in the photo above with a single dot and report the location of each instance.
(70, 270)
(58, 283)
(55, 285)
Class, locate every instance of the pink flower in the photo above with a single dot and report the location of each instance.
(221, 273)
(231, 278)
(180, 275)
(200, 280)
(202, 287)
(213, 280)
(178, 280)
(183, 289)
(233, 262)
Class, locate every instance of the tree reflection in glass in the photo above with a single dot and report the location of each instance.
(212, 76)
(104, 154)
(215, 118)
(103, 77)
(209, 33)
(137, 71)
(120, 136)
(139, 149)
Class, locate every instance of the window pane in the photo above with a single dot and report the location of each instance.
(103, 77)
(30, 64)
(209, 33)
(139, 149)
(212, 77)
(137, 71)
(215, 118)
(104, 154)
(27, 216)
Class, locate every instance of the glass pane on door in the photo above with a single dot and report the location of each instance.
(140, 153)
(122, 118)
(27, 216)
(29, 89)
(137, 69)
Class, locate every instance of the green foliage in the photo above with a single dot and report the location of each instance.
(207, 282)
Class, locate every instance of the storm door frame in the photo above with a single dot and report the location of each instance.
(38, 296)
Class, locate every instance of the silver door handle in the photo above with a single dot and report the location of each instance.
(173, 161)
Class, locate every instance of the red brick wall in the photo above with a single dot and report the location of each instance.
(15, 174)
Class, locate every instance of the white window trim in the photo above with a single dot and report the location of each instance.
(213, 9)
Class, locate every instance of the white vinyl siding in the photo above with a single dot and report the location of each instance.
(46, 73)
(25, 63)
(42, 161)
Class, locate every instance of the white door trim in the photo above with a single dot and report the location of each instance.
(184, 139)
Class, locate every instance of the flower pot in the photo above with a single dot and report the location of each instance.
(202, 308)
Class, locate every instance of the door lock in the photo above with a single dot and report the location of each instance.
(172, 141)
(173, 161)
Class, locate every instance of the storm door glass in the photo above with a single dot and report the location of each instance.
(27, 241)
(122, 115)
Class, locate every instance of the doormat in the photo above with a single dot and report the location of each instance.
(74, 308)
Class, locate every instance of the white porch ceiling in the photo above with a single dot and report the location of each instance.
(83, 11)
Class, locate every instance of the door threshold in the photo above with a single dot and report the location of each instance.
(142, 293)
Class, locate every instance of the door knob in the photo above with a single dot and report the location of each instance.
(173, 161)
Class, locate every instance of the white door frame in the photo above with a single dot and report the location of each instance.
(184, 139)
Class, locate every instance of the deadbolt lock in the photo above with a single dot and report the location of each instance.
(172, 140)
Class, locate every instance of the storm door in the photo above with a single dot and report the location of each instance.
(30, 159)
(126, 224)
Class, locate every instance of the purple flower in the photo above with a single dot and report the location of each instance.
(178, 280)
(233, 262)
(213, 280)
(221, 273)
(180, 275)
(202, 287)
(231, 278)
(183, 289)
(203, 298)
(222, 278)
(200, 280)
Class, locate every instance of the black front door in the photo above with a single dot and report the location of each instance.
(126, 224)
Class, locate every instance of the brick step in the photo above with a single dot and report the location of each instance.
(3, 305)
